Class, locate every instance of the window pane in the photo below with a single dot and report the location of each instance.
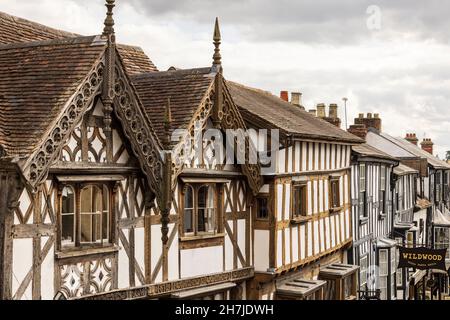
(92, 199)
(206, 211)
(68, 215)
(262, 211)
(188, 210)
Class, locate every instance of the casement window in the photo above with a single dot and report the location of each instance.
(335, 201)
(299, 200)
(383, 190)
(262, 209)
(363, 265)
(85, 214)
(199, 209)
(362, 190)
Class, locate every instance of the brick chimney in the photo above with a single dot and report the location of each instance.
(358, 130)
(369, 121)
(427, 145)
(411, 137)
(284, 95)
(321, 110)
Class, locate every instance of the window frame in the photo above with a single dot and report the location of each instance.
(362, 191)
(302, 210)
(334, 196)
(108, 239)
(217, 217)
(258, 198)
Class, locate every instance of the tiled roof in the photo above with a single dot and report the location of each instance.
(18, 30)
(269, 111)
(37, 79)
(185, 88)
(369, 151)
(417, 151)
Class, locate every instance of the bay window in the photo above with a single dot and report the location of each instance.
(362, 190)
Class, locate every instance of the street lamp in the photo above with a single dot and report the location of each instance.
(345, 108)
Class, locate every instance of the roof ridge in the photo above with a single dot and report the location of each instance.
(96, 40)
(171, 72)
(41, 26)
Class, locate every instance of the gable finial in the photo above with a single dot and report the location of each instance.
(217, 58)
(167, 123)
(109, 21)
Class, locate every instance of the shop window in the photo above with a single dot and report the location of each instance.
(442, 239)
(383, 269)
(363, 271)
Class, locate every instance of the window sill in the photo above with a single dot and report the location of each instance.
(335, 210)
(202, 237)
(202, 241)
(86, 251)
(300, 220)
(363, 220)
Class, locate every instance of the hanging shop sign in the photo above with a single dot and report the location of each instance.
(422, 258)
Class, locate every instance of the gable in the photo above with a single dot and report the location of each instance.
(36, 83)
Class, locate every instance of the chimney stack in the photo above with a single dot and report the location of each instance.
(411, 137)
(358, 130)
(296, 98)
(284, 95)
(427, 145)
(369, 121)
(332, 111)
(312, 112)
(321, 110)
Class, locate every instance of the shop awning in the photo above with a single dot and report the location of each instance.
(198, 292)
(299, 287)
(440, 219)
(385, 243)
(338, 270)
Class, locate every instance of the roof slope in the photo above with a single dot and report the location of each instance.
(18, 30)
(185, 88)
(37, 79)
(369, 151)
(408, 146)
(273, 112)
(402, 169)
(381, 141)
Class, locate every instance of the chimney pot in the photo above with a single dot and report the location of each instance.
(284, 95)
(427, 145)
(411, 137)
(361, 115)
(376, 115)
(369, 115)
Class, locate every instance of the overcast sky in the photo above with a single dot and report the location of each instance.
(386, 57)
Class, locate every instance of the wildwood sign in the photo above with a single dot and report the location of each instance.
(422, 258)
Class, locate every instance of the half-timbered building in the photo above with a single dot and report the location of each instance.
(93, 203)
(372, 195)
(302, 217)
(432, 216)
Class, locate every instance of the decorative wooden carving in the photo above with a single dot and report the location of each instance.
(138, 129)
(36, 168)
